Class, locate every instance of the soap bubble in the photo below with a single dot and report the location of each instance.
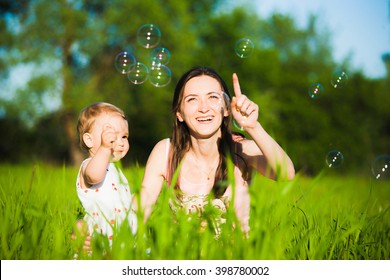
(244, 47)
(148, 36)
(160, 75)
(334, 159)
(238, 126)
(160, 56)
(315, 90)
(339, 79)
(123, 61)
(226, 99)
(216, 100)
(381, 167)
(138, 73)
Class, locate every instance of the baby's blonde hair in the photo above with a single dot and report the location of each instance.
(89, 114)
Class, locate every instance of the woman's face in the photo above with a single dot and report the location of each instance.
(203, 105)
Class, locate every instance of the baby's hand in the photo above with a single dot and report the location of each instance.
(108, 137)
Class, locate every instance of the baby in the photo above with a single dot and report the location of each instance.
(101, 186)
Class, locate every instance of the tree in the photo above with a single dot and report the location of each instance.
(75, 43)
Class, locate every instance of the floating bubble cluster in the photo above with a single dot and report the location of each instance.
(159, 75)
(338, 80)
(334, 159)
(244, 47)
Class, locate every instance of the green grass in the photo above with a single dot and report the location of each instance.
(320, 218)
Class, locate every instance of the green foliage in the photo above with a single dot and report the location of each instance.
(37, 212)
(326, 217)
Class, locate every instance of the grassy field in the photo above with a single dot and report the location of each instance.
(320, 218)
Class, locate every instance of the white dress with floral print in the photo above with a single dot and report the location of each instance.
(108, 203)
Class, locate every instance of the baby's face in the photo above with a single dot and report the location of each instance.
(111, 131)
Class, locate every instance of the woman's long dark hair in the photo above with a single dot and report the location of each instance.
(181, 141)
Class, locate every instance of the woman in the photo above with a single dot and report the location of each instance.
(202, 142)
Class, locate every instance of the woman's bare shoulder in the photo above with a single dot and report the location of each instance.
(160, 149)
(161, 145)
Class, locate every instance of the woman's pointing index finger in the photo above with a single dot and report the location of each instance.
(236, 85)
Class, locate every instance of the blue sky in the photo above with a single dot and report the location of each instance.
(360, 29)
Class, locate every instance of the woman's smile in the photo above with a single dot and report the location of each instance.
(205, 119)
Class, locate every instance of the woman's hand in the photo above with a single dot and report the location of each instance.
(244, 111)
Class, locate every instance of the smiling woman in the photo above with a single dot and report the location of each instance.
(202, 145)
